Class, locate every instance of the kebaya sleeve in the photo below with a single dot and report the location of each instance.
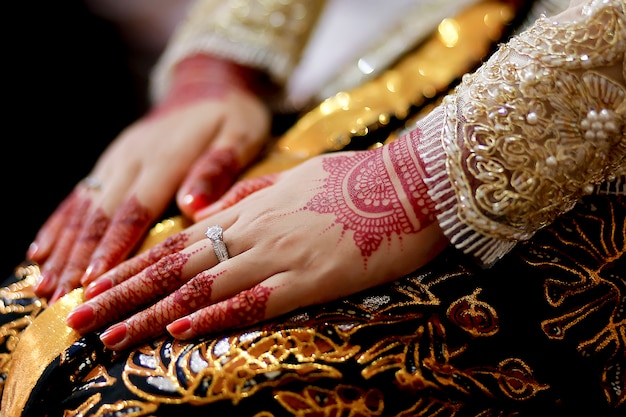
(268, 36)
(535, 128)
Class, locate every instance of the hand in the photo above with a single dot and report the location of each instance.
(202, 136)
(335, 225)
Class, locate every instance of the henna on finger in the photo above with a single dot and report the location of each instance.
(47, 236)
(135, 265)
(52, 269)
(127, 228)
(88, 238)
(212, 174)
(246, 307)
(236, 193)
(191, 296)
(131, 295)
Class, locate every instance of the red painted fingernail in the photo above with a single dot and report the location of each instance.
(80, 318)
(196, 200)
(181, 328)
(45, 283)
(97, 287)
(114, 335)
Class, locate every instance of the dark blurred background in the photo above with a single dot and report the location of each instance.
(76, 76)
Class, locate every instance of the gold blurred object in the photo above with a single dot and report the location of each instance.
(163, 230)
(457, 47)
(40, 344)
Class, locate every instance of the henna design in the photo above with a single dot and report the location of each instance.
(74, 215)
(127, 228)
(244, 188)
(161, 278)
(132, 267)
(90, 235)
(192, 296)
(376, 193)
(212, 175)
(247, 307)
(203, 76)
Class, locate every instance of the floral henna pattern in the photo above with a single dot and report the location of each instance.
(172, 244)
(246, 307)
(192, 296)
(376, 194)
(161, 278)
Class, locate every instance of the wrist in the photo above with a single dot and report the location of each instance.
(203, 76)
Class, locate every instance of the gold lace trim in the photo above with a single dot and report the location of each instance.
(534, 129)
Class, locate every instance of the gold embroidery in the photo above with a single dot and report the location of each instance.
(233, 368)
(475, 317)
(268, 35)
(20, 300)
(534, 129)
(344, 400)
(515, 378)
(590, 289)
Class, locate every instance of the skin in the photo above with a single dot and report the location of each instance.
(191, 147)
(364, 217)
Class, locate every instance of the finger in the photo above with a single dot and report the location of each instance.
(47, 235)
(89, 237)
(135, 293)
(127, 227)
(210, 176)
(53, 267)
(245, 308)
(236, 193)
(136, 264)
(151, 322)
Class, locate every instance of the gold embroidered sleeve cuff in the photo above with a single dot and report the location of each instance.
(268, 36)
(538, 126)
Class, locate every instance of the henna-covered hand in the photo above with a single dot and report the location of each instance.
(191, 147)
(335, 225)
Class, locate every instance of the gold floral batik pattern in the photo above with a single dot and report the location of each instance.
(540, 333)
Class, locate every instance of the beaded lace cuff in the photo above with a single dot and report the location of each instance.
(539, 125)
(266, 35)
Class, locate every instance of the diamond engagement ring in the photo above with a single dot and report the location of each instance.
(214, 233)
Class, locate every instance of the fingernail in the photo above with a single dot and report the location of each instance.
(181, 328)
(80, 318)
(196, 200)
(113, 336)
(31, 253)
(44, 284)
(97, 287)
(92, 272)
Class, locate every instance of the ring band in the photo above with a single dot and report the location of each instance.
(92, 183)
(215, 233)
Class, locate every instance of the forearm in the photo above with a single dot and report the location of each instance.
(533, 130)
